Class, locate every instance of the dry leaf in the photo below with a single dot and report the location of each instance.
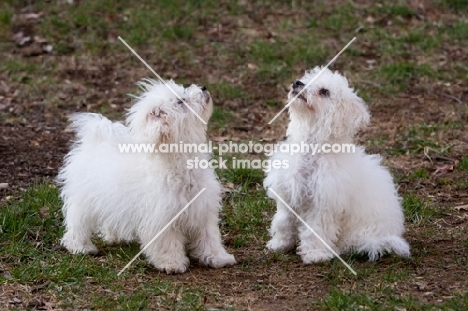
(444, 168)
(21, 39)
(44, 211)
(228, 187)
(461, 208)
(220, 138)
(252, 66)
(32, 16)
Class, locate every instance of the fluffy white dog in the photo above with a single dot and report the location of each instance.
(132, 196)
(348, 199)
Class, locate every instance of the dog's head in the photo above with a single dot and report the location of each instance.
(161, 116)
(328, 107)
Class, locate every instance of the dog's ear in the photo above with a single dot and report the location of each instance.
(146, 123)
(360, 113)
(351, 116)
(208, 110)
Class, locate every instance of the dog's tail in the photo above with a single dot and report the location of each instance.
(377, 247)
(94, 128)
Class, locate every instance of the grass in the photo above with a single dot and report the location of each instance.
(220, 117)
(398, 76)
(463, 165)
(31, 227)
(420, 138)
(416, 209)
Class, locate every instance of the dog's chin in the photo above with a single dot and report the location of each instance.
(299, 103)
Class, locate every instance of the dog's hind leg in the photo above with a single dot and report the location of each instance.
(78, 232)
(206, 244)
(283, 230)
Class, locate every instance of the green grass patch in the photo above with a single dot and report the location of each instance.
(456, 5)
(178, 32)
(422, 137)
(276, 60)
(396, 9)
(247, 206)
(220, 117)
(458, 31)
(224, 90)
(420, 173)
(6, 17)
(416, 209)
(463, 164)
(398, 75)
(244, 177)
(31, 227)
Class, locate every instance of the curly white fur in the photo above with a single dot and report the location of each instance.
(349, 199)
(132, 196)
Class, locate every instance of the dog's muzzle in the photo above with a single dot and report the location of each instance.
(297, 85)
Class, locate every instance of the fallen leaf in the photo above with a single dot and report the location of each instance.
(252, 66)
(7, 275)
(444, 168)
(40, 39)
(229, 186)
(44, 211)
(15, 301)
(421, 285)
(461, 208)
(220, 138)
(21, 39)
(32, 16)
(46, 47)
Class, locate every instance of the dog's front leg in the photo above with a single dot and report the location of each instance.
(283, 230)
(167, 252)
(316, 239)
(207, 246)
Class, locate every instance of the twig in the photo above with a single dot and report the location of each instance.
(177, 67)
(458, 100)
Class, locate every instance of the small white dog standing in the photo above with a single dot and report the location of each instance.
(132, 196)
(348, 199)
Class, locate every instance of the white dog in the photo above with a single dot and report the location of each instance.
(132, 196)
(348, 199)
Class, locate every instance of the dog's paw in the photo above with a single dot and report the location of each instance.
(109, 238)
(89, 249)
(280, 245)
(171, 265)
(220, 261)
(315, 256)
(74, 247)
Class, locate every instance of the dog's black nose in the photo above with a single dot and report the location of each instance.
(297, 84)
(203, 88)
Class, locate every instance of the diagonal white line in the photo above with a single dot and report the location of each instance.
(161, 79)
(312, 230)
(160, 232)
(310, 82)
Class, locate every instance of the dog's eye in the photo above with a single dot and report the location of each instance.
(324, 92)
